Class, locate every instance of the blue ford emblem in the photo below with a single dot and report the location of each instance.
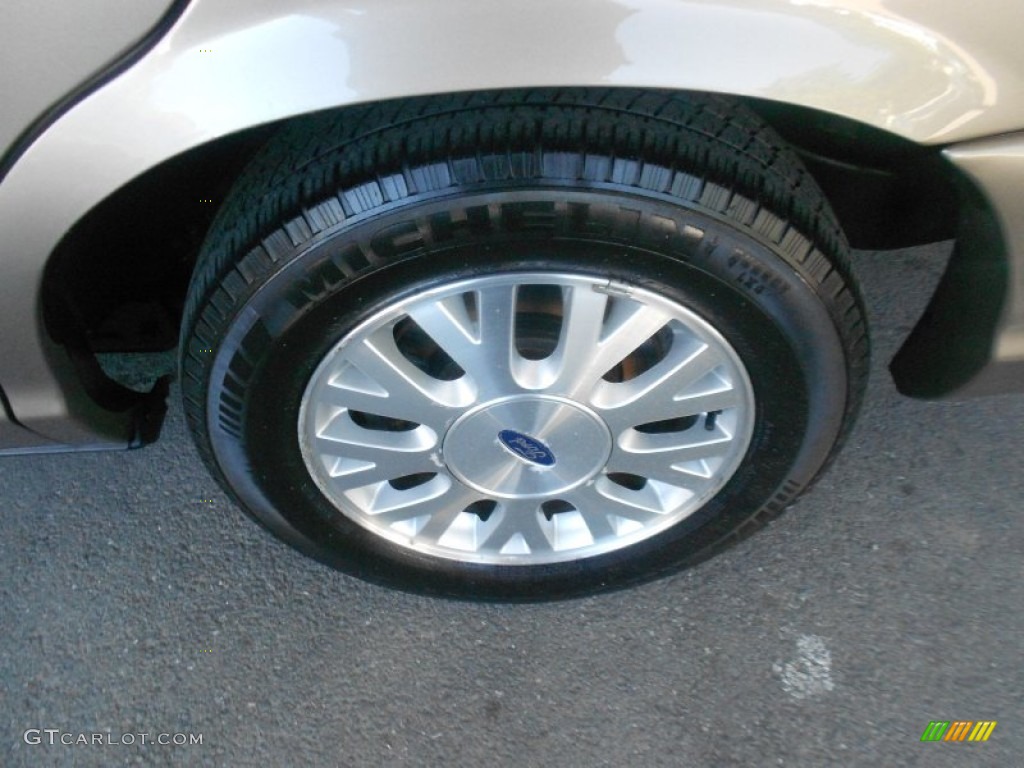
(527, 448)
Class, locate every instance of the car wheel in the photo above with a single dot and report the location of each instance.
(522, 344)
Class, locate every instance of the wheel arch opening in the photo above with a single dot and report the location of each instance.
(117, 281)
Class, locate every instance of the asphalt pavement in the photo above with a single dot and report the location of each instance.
(135, 599)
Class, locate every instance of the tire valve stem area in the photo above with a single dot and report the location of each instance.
(710, 420)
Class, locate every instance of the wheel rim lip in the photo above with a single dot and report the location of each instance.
(392, 312)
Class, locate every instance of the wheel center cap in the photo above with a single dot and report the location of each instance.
(527, 446)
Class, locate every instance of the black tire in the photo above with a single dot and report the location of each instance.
(688, 197)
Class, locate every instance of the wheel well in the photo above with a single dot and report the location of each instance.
(887, 192)
(118, 279)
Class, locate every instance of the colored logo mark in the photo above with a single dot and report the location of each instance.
(958, 730)
(527, 448)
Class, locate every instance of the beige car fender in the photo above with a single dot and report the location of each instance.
(929, 72)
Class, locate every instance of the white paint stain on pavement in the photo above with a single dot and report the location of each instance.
(810, 674)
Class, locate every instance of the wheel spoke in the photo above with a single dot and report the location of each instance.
(582, 322)
(484, 349)
(362, 464)
(435, 498)
(593, 508)
(390, 406)
(677, 386)
(374, 474)
(496, 308)
(516, 529)
(448, 323)
(492, 369)
(655, 457)
(705, 402)
(443, 511)
(410, 393)
(629, 326)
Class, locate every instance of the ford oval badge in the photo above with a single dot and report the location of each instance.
(527, 448)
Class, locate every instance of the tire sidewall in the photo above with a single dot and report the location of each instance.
(775, 322)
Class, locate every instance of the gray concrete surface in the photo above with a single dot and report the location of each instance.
(888, 597)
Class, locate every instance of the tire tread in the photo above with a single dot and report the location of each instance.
(707, 151)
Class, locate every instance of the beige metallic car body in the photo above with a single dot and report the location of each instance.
(92, 101)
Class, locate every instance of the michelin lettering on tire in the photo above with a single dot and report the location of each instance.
(433, 322)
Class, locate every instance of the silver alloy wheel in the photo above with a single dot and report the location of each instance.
(526, 418)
